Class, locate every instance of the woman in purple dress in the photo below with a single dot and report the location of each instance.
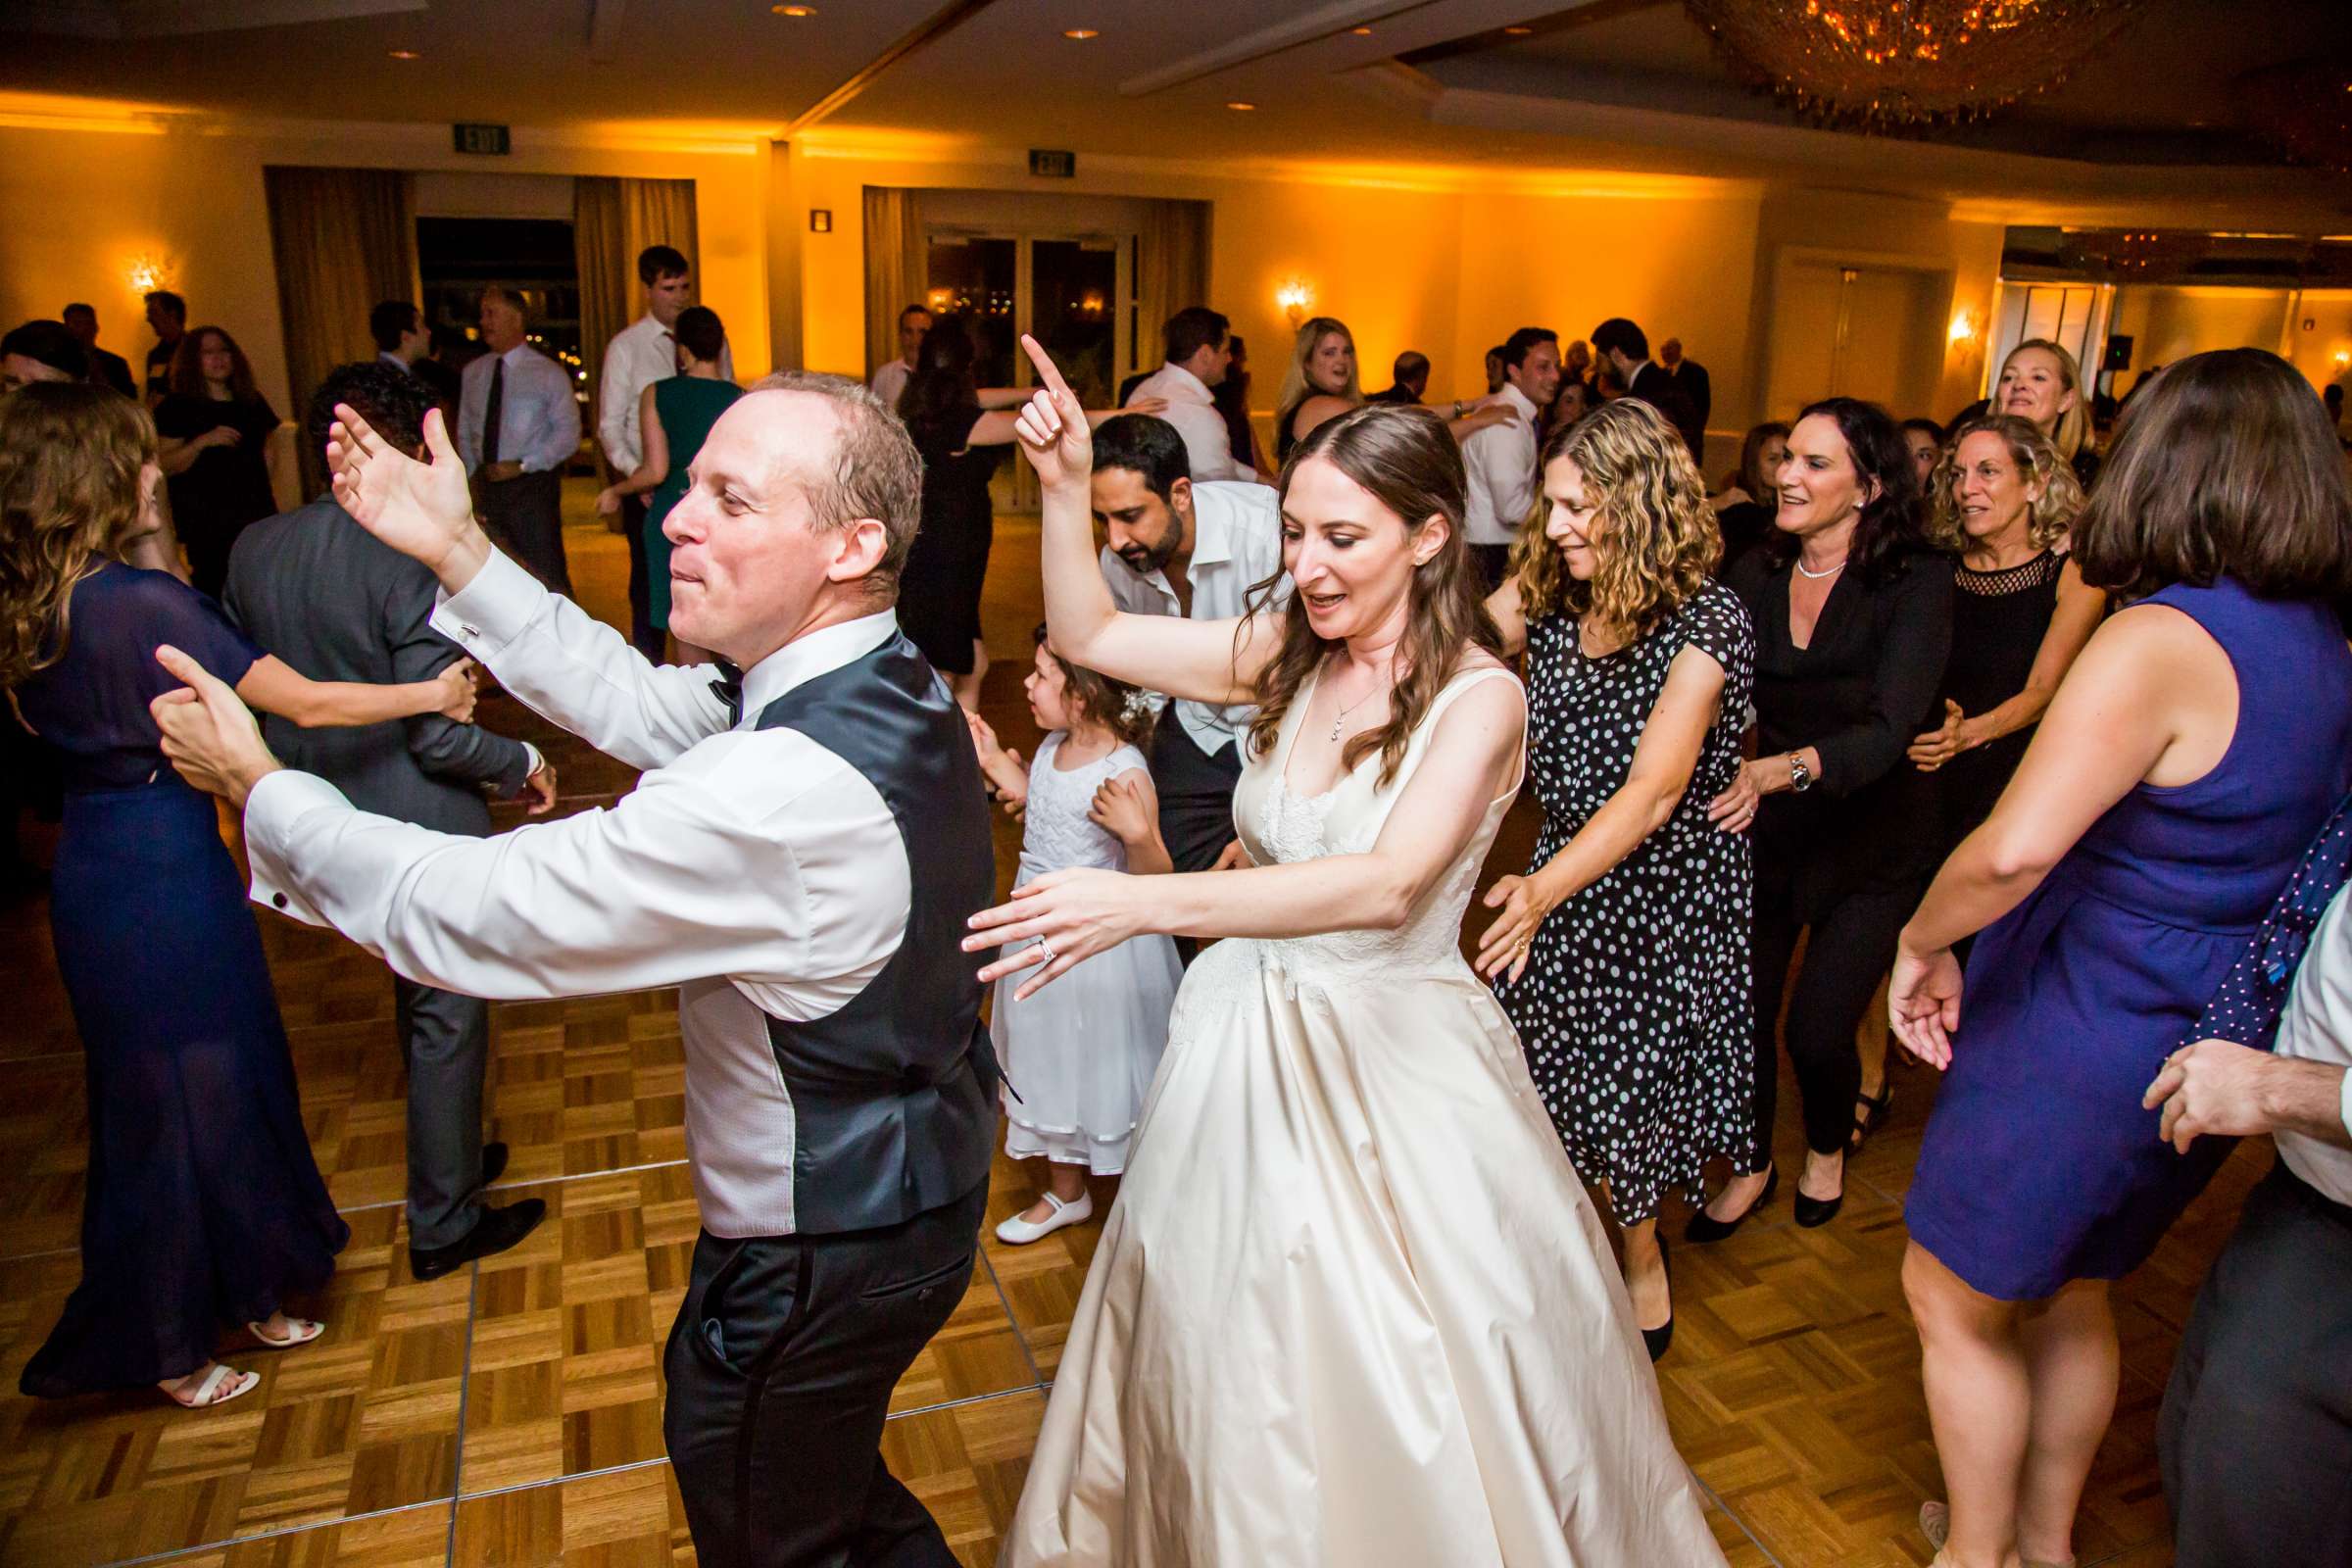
(203, 1206)
(2198, 744)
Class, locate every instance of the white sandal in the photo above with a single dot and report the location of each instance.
(305, 1331)
(1018, 1232)
(209, 1393)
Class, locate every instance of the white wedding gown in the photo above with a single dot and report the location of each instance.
(1351, 1308)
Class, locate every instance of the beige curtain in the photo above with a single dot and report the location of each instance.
(345, 239)
(612, 220)
(1171, 272)
(898, 267)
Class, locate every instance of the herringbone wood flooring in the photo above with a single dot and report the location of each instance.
(511, 1415)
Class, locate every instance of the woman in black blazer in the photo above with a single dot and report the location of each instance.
(1853, 616)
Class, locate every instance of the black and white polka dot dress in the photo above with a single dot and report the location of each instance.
(1633, 1010)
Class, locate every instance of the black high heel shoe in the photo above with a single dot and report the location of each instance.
(1705, 1227)
(1657, 1340)
(1814, 1213)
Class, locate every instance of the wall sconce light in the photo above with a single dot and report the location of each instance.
(1963, 327)
(149, 271)
(2343, 359)
(1292, 297)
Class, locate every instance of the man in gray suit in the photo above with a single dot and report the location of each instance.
(324, 595)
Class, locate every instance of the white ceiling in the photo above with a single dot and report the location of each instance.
(1624, 84)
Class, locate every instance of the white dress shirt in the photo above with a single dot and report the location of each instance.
(1236, 544)
(387, 357)
(2317, 1027)
(638, 355)
(890, 382)
(539, 419)
(1207, 443)
(754, 868)
(1500, 461)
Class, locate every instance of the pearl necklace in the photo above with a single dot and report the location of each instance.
(1818, 575)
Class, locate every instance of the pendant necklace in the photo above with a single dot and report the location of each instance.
(1342, 718)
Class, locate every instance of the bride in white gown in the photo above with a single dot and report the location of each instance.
(1352, 1306)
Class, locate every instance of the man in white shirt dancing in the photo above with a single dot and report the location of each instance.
(1198, 348)
(1185, 547)
(804, 874)
(640, 354)
(1500, 459)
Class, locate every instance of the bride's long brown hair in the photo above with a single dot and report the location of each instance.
(1407, 460)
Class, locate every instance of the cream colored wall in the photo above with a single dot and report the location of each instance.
(84, 207)
(2167, 323)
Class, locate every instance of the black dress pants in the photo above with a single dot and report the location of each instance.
(1195, 793)
(2255, 1440)
(780, 1369)
(445, 1042)
(1849, 951)
(524, 516)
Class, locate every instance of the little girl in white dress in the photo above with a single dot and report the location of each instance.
(1080, 1055)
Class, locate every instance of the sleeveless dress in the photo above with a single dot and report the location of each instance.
(1352, 1306)
(203, 1205)
(687, 406)
(2039, 1166)
(939, 588)
(1998, 622)
(1079, 1056)
(1634, 1005)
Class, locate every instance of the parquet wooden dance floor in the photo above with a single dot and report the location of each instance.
(510, 1414)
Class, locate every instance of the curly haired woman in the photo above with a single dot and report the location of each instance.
(1624, 951)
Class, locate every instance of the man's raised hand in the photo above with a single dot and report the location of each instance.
(1052, 427)
(423, 509)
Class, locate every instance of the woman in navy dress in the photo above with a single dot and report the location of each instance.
(2200, 741)
(203, 1206)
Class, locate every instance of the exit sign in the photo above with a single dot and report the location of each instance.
(1047, 163)
(490, 140)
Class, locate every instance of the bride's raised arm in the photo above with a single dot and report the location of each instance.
(1473, 758)
(1207, 661)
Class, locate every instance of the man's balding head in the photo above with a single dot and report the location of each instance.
(798, 514)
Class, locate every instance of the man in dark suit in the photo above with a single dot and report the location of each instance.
(1625, 348)
(1408, 380)
(329, 598)
(403, 343)
(105, 370)
(1691, 377)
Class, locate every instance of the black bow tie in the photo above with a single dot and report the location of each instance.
(729, 690)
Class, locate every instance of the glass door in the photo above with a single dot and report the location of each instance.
(1070, 292)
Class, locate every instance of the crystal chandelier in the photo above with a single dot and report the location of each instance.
(1874, 63)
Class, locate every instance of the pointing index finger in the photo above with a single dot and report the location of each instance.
(1048, 371)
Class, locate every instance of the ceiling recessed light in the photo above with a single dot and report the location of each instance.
(1517, 33)
(406, 53)
(1361, 33)
(1080, 34)
(794, 10)
(1236, 103)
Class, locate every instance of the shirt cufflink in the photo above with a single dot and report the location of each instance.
(489, 612)
(276, 802)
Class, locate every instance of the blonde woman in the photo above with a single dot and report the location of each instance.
(1320, 383)
(2002, 499)
(2040, 382)
(1623, 953)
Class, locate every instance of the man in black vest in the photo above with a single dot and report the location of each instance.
(803, 873)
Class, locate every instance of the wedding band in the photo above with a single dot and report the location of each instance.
(1046, 948)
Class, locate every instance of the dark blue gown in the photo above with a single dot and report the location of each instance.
(2041, 1165)
(204, 1205)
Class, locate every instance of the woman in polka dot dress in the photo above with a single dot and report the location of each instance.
(1623, 954)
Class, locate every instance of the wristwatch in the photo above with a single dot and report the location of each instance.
(1800, 777)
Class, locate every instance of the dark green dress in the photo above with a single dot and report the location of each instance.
(687, 407)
